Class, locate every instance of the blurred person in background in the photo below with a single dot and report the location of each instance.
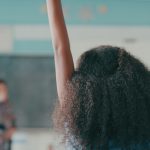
(104, 103)
(7, 119)
(50, 147)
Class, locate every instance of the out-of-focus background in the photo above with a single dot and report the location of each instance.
(26, 54)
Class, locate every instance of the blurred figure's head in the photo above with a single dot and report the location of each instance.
(50, 147)
(107, 99)
(3, 91)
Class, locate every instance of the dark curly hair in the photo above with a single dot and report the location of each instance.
(107, 101)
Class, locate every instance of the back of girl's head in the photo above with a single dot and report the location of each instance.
(107, 101)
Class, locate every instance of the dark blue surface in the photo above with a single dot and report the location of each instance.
(32, 88)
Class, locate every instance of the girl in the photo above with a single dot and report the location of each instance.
(104, 103)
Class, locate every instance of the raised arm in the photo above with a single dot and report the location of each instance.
(63, 57)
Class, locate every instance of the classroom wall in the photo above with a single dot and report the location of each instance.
(24, 26)
(24, 31)
(104, 12)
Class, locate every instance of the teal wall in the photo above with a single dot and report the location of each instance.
(120, 12)
(30, 47)
(33, 12)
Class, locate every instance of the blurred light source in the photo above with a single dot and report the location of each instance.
(43, 8)
(103, 9)
(86, 13)
(130, 40)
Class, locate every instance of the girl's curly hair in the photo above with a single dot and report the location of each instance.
(107, 101)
